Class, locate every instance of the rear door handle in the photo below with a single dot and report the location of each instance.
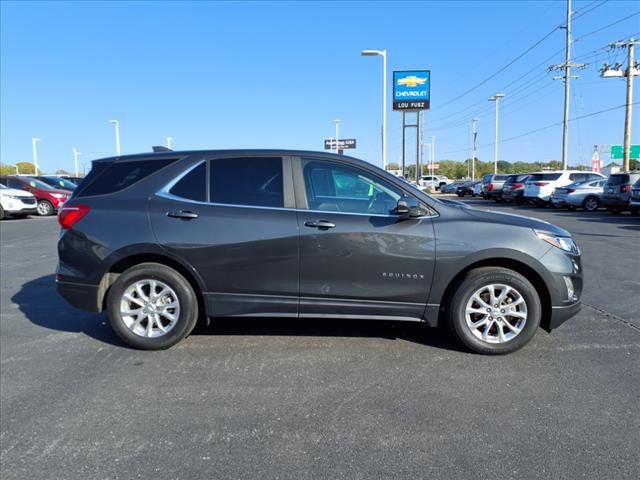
(183, 214)
(321, 224)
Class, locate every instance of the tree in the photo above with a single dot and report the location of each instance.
(62, 172)
(26, 167)
(7, 170)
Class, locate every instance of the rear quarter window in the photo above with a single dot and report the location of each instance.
(113, 177)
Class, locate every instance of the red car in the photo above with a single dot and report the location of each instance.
(49, 199)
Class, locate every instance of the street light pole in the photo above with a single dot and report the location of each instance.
(337, 122)
(75, 159)
(116, 125)
(383, 54)
(169, 142)
(475, 145)
(34, 148)
(496, 98)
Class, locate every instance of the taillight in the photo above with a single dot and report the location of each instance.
(517, 185)
(490, 187)
(540, 184)
(69, 216)
(625, 188)
(571, 190)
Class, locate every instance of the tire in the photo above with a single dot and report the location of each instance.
(186, 312)
(2, 217)
(45, 208)
(635, 211)
(475, 281)
(591, 204)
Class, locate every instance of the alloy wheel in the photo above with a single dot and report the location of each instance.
(496, 313)
(150, 308)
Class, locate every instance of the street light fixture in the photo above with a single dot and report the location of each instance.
(34, 148)
(496, 98)
(383, 54)
(116, 125)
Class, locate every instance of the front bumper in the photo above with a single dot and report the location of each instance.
(559, 315)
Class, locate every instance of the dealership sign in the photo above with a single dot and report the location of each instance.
(412, 90)
(343, 143)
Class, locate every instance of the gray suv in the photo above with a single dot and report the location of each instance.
(617, 191)
(160, 240)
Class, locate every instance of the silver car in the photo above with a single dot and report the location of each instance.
(587, 195)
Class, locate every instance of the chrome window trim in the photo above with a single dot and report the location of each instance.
(164, 192)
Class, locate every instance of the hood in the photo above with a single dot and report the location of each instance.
(60, 191)
(516, 220)
(15, 192)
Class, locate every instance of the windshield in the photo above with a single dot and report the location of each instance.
(544, 176)
(35, 183)
(618, 179)
(59, 182)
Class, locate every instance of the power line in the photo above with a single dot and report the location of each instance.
(546, 127)
(606, 26)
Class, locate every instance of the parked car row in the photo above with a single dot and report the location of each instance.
(37, 195)
(562, 189)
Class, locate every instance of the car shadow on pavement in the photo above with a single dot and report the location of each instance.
(41, 304)
(322, 327)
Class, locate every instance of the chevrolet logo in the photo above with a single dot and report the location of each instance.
(412, 81)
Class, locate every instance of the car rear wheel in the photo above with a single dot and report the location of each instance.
(152, 307)
(44, 208)
(1, 213)
(591, 204)
(494, 310)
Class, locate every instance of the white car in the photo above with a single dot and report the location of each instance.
(539, 186)
(434, 181)
(16, 203)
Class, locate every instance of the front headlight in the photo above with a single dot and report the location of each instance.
(563, 243)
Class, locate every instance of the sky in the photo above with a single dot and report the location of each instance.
(276, 74)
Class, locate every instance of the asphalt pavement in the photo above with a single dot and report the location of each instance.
(298, 399)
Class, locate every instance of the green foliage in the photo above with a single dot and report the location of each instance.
(7, 170)
(26, 168)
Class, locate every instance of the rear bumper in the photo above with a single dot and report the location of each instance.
(559, 202)
(559, 315)
(512, 195)
(79, 295)
(615, 201)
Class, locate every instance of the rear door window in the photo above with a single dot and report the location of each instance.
(251, 181)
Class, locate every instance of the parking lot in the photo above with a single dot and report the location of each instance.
(317, 398)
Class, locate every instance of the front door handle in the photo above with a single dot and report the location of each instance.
(183, 214)
(321, 224)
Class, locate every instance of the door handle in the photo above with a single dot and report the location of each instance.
(321, 224)
(183, 214)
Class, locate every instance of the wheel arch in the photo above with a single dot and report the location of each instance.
(133, 259)
(505, 262)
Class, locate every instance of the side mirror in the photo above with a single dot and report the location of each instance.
(408, 207)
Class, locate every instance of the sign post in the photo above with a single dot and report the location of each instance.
(412, 93)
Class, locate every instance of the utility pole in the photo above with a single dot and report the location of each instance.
(496, 98)
(475, 146)
(433, 154)
(75, 159)
(566, 66)
(633, 69)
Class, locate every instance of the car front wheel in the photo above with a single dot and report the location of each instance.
(494, 310)
(152, 307)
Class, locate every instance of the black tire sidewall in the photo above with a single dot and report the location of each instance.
(186, 297)
(474, 280)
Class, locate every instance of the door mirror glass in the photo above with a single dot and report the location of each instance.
(408, 207)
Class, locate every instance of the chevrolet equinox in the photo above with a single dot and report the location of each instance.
(159, 240)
